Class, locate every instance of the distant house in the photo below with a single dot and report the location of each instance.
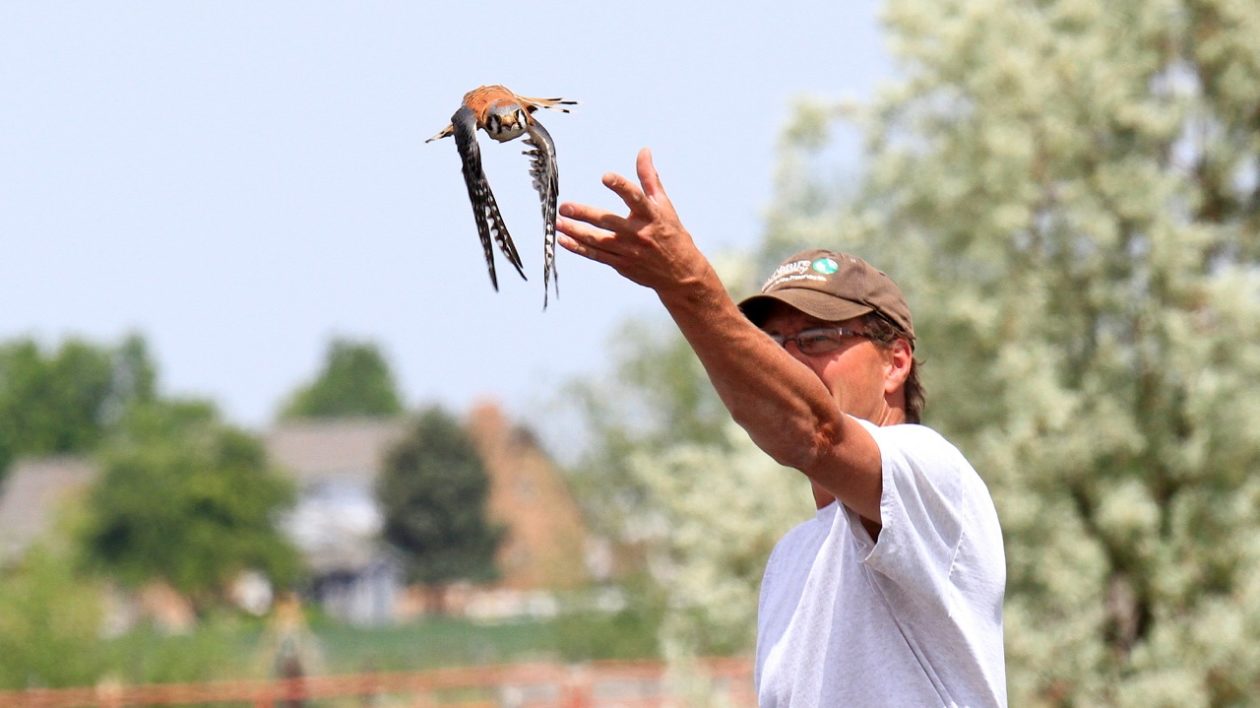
(31, 496)
(336, 521)
(547, 539)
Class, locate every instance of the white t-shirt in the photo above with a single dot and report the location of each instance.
(913, 620)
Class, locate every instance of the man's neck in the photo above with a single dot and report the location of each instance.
(821, 496)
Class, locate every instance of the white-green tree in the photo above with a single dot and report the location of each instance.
(1070, 194)
(715, 512)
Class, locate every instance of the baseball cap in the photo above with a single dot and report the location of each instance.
(831, 286)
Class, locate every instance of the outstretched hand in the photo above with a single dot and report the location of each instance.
(648, 246)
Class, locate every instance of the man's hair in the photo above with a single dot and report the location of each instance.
(884, 333)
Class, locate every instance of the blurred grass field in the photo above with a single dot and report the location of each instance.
(232, 648)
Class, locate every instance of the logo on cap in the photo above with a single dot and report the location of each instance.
(824, 265)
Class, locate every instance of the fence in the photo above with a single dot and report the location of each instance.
(726, 682)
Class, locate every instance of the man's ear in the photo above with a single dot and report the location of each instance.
(898, 359)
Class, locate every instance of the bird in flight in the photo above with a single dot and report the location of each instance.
(506, 116)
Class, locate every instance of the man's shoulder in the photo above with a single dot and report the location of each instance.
(913, 438)
(920, 450)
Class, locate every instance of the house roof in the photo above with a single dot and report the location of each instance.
(346, 450)
(31, 494)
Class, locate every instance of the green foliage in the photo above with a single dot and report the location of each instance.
(712, 514)
(218, 649)
(68, 400)
(1068, 192)
(189, 500)
(433, 493)
(356, 381)
(50, 621)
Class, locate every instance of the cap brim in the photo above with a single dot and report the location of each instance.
(823, 306)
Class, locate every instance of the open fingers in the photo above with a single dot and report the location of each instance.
(586, 240)
(630, 193)
(602, 218)
(649, 177)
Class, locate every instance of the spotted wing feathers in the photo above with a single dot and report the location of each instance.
(542, 168)
(490, 225)
(555, 104)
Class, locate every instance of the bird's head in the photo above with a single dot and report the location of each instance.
(505, 121)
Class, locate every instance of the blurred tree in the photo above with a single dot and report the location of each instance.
(356, 381)
(1069, 192)
(67, 401)
(50, 623)
(433, 491)
(715, 512)
(187, 499)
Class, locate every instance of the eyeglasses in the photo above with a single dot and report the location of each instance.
(819, 340)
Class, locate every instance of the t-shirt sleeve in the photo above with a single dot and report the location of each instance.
(920, 506)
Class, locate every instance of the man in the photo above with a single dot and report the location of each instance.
(892, 595)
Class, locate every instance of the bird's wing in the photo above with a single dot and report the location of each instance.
(542, 167)
(444, 133)
(485, 209)
(556, 104)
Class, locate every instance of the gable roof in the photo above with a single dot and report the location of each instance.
(342, 449)
(32, 494)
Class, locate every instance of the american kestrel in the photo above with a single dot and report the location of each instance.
(506, 116)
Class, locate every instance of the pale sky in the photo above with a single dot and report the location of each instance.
(241, 181)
